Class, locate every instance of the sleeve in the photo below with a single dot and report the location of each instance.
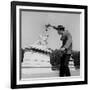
(69, 41)
(55, 27)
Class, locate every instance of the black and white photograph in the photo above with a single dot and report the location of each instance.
(50, 44)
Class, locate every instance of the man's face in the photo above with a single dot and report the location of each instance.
(60, 32)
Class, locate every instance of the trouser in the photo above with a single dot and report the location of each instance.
(64, 69)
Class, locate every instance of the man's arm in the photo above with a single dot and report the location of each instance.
(68, 42)
(49, 25)
(55, 27)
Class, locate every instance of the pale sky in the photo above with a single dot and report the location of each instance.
(33, 24)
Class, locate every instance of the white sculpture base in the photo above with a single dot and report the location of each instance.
(37, 65)
(36, 59)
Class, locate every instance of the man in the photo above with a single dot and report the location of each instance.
(66, 48)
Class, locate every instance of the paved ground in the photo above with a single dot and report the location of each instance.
(43, 72)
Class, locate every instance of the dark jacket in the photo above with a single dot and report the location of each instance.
(67, 42)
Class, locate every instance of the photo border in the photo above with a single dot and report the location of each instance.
(14, 4)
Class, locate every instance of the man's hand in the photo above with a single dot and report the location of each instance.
(62, 49)
(48, 25)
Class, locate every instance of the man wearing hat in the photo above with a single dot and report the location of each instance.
(66, 47)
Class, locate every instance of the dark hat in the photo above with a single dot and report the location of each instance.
(59, 27)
